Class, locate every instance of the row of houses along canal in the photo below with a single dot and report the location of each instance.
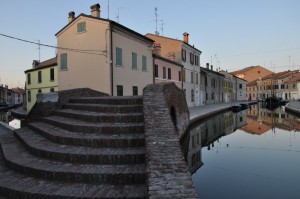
(249, 154)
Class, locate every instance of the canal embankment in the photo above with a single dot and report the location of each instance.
(202, 112)
(293, 106)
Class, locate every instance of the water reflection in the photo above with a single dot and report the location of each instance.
(256, 150)
(6, 117)
(205, 135)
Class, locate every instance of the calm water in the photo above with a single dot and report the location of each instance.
(6, 117)
(252, 154)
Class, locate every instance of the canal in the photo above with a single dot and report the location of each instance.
(6, 117)
(252, 154)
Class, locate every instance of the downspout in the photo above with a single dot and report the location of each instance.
(111, 61)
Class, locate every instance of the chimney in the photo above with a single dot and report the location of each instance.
(35, 63)
(157, 49)
(71, 16)
(95, 10)
(171, 56)
(186, 37)
(207, 65)
(211, 67)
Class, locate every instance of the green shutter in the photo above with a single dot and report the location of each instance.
(81, 27)
(63, 61)
(134, 60)
(119, 56)
(144, 62)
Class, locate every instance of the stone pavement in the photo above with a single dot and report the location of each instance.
(201, 112)
(293, 106)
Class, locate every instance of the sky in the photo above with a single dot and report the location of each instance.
(231, 34)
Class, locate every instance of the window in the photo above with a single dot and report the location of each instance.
(183, 54)
(63, 61)
(282, 86)
(39, 76)
(134, 90)
(51, 89)
(240, 86)
(196, 78)
(192, 95)
(294, 85)
(28, 79)
(39, 91)
(164, 73)
(134, 60)
(119, 56)
(169, 73)
(29, 96)
(183, 75)
(179, 75)
(51, 74)
(155, 70)
(192, 77)
(119, 90)
(144, 63)
(81, 27)
(196, 60)
(192, 58)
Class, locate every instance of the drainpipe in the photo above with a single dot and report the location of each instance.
(111, 61)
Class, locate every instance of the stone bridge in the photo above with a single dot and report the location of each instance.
(85, 144)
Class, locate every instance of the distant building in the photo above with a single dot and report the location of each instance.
(213, 87)
(17, 95)
(228, 86)
(293, 87)
(166, 70)
(187, 55)
(251, 73)
(103, 55)
(42, 78)
(239, 89)
(251, 89)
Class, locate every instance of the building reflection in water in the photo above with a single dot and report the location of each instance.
(6, 117)
(255, 120)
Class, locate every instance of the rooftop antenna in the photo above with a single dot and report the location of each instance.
(162, 27)
(118, 15)
(39, 48)
(108, 9)
(156, 15)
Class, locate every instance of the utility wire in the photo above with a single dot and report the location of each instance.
(92, 52)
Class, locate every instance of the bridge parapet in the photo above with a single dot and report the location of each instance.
(166, 117)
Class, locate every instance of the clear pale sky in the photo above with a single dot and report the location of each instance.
(233, 34)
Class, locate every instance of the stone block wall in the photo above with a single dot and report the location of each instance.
(166, 117)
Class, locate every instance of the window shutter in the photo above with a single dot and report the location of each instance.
(134, 60)
(63, 61)
(144, 62)
(119, 56)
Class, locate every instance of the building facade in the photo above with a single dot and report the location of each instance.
(166, 70)
(42, 78)
(187, 55)
(103, 55)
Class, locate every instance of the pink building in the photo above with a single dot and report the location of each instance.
(166, 69)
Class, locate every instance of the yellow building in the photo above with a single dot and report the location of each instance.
(42, 78)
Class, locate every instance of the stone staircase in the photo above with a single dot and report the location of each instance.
(91, 148)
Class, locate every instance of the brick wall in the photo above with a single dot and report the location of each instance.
(48, 102)
(166, 118)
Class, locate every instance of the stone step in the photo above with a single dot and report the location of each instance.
(105, 108)
(61, 136)
(42, 147)
(101, 117)
(17, 185)
(109, 100)
(18, 159)
(92, 127)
